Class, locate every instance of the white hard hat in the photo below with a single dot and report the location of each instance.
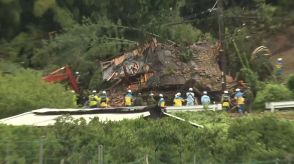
(190, 89)
(280, 59)
(72, 91)
(205, 92)
(160, 95)
(104, 92)
(151, 94)
(238, 89)
(129, 91)
(77, 72)
(226, 91)
(94, 91)
(178, 94)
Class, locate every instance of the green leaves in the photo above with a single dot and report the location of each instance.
(273, 92)
(164, 141)
(23, 90)
(290, 83)
(42, 6)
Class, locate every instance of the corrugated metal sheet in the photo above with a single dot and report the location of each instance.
(33, 119)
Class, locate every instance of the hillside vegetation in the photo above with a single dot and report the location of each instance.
(38, 36)
(223, 140)
(47, 34)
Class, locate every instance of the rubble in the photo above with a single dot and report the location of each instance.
(156, 66)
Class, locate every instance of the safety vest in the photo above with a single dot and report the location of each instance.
(240, 100)
(226, 100)
(161, 103)
(205, 99)
(104, 101)
(190, 97)
(74, 99)
(178, 101)
(93, 100)
(128, 100)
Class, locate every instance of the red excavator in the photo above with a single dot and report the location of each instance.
(62, 74)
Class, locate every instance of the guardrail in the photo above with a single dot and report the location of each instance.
(277, 105)
(194, 108)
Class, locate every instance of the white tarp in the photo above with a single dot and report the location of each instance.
(32, 119)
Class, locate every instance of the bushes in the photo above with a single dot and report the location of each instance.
(165, 140)
(24, 90)
(262, 138)
(290, 83)
(272, 92)
(182, 33)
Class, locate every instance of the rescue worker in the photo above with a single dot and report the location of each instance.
(190, 97)
(139, 100)
(178, 100)
(151, 100)
(205, 100)
(129, 98)
(93, 100)
(74, 98)
(225, 100)
(161, 103)
(103, 100)
(249, 98)
(279, 68)
(240, 100)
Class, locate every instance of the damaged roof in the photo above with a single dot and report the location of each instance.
(168, 65)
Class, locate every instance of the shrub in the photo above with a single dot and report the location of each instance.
(261, 138)
(290, 83)
(187, 55)
(182, 33)
(23, 90)
(272, 92)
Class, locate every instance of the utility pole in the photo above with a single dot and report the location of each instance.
(41, 151)
(100, 154)
(221, 39)
(146, 159)
(7, 154)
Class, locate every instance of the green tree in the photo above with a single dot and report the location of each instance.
(23, 90)
(290, 82)
(272, 92)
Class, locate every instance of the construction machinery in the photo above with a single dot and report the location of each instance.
(63, 74)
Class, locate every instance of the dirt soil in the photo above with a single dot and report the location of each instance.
(282, 46)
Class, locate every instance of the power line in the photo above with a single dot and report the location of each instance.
(191, 18)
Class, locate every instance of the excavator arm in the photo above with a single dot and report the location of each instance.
(62, 74)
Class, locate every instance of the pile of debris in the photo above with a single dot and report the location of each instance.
(158, 67)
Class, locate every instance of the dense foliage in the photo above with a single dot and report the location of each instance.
(81, 33)
(290, 82)
(46, 34)
(23, 90)
(273, 92)
(164, 141)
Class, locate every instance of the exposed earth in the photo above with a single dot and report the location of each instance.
(282, 46)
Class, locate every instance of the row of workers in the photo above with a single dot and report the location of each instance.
(98, 100)
(190, 99)
(178, 100)
(238, 100)
(101, 100)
